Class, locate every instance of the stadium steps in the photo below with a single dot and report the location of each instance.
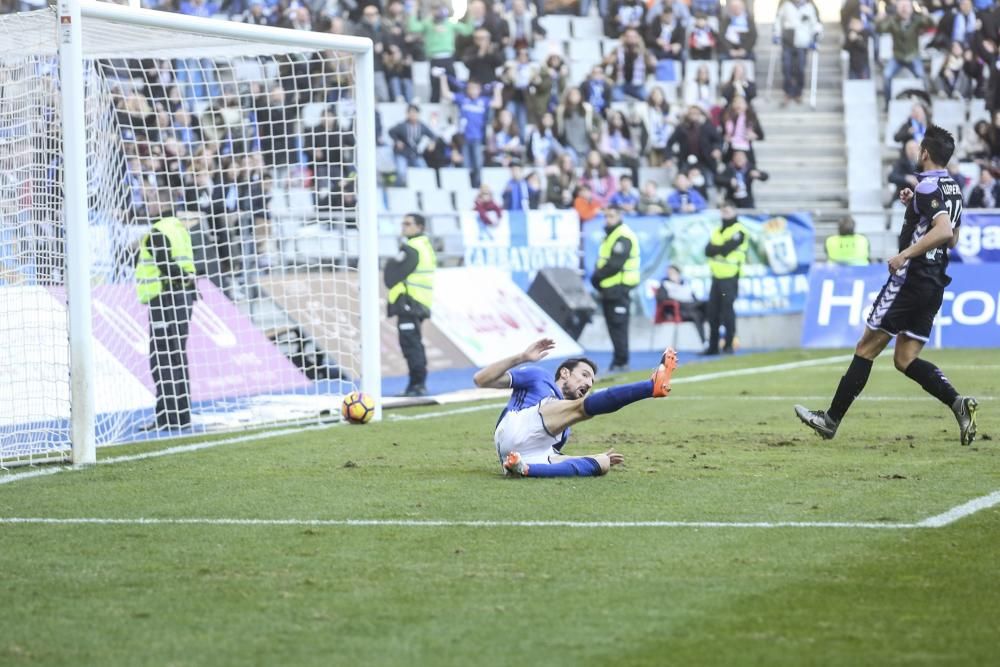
(804, 149)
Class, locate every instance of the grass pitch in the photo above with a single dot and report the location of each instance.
(721, 450)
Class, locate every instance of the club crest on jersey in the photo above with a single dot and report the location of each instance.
(935, 203)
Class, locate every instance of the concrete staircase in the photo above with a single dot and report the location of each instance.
(804, 150)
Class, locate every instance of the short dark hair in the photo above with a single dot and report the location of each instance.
(418, 220)
(939, 144)
(571, 364)
(413, 107)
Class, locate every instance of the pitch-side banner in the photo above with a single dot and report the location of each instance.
(775, 277)
(980, 239)
(488, 317)
(840, 299)
(523, 242)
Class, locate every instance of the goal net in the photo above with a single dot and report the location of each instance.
(253, 139)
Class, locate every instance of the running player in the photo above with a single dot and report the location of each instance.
(906, 306)
(533, 428)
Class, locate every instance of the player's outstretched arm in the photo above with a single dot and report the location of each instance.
(495, 375)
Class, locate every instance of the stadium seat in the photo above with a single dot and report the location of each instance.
(443, 225)
(421, 178)
(587, 28)
(434, 200)
(497, 178)
(557, 27)
(977, 110)
(901, 84)
(668, 71)
(949, 114)
(461, 71)
(401, 200)
(627, 106)
(659, 175)
(248, 69)
(726, 69)
(421, 81)
(578, 71)
(454, 178)
(393, 113)
(465, 199)
(584, 52)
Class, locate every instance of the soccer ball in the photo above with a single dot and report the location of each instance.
(357, 408)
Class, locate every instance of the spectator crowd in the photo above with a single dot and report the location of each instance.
(940, 53)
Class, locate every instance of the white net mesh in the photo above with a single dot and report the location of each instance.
(254, 151)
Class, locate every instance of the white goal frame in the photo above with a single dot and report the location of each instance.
(72, 15)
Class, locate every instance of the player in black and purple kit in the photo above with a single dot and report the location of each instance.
(910, 299)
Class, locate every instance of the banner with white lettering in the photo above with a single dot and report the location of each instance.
(840, 298)
(774, 278)
(523, 242)
(488, 317)
(980, 239)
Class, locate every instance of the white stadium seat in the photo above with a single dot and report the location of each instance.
(421, 178)
(454, 178)
(401, 200)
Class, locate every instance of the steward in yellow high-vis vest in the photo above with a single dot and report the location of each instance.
(726, 252)
(846, 247)
(614, 277)
(409, 278)
(165, 279)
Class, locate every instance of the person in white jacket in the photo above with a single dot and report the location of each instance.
(798, 28)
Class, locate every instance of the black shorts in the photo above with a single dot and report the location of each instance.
(908, 307)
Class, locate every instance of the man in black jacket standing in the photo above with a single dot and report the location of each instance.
(409, 276)
(615, 276)
(726, 252)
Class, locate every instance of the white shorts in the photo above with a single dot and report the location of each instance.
(523, 432)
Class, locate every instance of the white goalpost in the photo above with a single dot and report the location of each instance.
(261, 143)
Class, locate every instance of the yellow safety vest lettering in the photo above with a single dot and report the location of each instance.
(147, 274)
(629, 275)
(419, 284)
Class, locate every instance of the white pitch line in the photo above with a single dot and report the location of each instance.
(791, 365)
(962, 511)
(813, 398)
(445, 413)
(445, 523)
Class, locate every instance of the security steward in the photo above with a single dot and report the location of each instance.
(409, 276)
(847, 248)
(165, 280)
(616, 274)
(726, 252)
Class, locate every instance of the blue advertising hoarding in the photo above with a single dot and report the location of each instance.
(840, 298)
(775, 277)
(979, 241)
